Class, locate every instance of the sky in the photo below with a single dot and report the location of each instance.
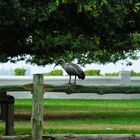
(107, 68)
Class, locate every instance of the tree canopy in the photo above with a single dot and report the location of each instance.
(89, 30)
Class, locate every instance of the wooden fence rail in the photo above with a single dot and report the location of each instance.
(38, 88)
(77, 137)
(69, 88)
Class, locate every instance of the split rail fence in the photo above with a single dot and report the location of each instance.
(37, 89)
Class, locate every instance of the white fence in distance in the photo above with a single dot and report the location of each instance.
(123, 79)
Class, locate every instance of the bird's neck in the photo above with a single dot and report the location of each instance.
(63, 65)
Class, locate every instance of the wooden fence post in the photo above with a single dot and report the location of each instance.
(9, 115)
(7, 112)
(3, 105)
(37, 107)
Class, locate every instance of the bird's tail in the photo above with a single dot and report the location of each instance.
(82, 75)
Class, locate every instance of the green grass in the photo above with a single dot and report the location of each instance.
(81, 116)
(82, 104)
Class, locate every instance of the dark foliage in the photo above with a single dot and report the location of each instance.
(91, 31)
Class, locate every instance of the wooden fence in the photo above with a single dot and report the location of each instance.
(38, 88)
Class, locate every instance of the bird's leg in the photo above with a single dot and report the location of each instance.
(75, 80)
(70, 79)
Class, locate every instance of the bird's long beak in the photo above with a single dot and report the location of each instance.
(55, 66)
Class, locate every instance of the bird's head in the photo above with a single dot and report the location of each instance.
(59, 62)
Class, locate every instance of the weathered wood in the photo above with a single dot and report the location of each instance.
(5, 88)
(93, 137)
(69, 88)
(100, 89)
(78, 137)
(9, 115)
(7, 103)
(37, 107)
(20, 137)
(3, 105)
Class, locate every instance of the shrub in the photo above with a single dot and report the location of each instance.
(92, 72)
(112, 74)
(135, 73)
(20, 71)
(54, 73)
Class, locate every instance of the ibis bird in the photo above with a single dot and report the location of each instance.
(71, 69)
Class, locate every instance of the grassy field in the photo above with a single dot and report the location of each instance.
(80, 116)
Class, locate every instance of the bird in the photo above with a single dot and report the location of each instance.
(71, 69)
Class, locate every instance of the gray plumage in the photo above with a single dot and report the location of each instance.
(71, 69)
